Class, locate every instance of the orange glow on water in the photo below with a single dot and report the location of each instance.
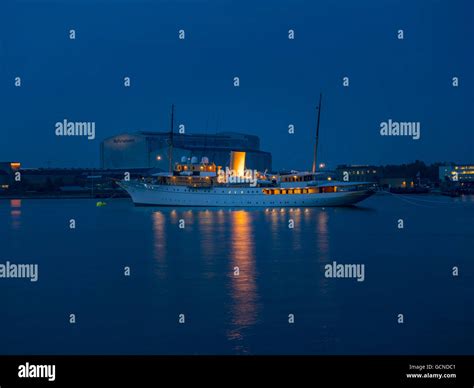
(15, 203)
(244, 288)
(15, 213)
(160, 248)
(208, 224)
(322, 236)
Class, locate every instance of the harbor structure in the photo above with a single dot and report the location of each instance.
(462, 173)
(151, 149)
(358, 173)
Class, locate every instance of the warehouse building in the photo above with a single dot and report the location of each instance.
(457, 173)
(357, 173)
(150, 149)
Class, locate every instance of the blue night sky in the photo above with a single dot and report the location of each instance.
(82, 79)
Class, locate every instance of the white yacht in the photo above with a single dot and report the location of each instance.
(201, 183)
(204, 191)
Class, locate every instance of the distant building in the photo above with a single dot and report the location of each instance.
(150, 149)
(7, 174)
(357, 173)
(457, 173)
(399, 183)
(41, 180)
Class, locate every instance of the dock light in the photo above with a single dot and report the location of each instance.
(322, 165)
(158, 157)
(15, 165)
(329, 178)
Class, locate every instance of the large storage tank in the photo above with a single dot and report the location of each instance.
(150, 150)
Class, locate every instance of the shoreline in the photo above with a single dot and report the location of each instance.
(125, 195)
(62, 196)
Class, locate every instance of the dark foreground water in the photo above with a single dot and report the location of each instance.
(190, 271)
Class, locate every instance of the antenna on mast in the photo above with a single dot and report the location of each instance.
(315, 155)
(170, 142)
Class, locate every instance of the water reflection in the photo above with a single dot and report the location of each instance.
(295, 215)
(15, 213)
(207, 235)
(215, 234)
(322, 242)
(271, 216)
(244, 290)
(322, 236)
(159, 247)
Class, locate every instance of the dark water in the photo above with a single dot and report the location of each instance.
(191, 271)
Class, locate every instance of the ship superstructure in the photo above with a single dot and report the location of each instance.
(194, 182)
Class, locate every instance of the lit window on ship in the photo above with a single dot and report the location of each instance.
(311, 190)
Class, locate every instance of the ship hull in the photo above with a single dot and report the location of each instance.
(169, 195)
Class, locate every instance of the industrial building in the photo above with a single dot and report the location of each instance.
(7, 174)
(457, 173)
(357, 173)
(151, 149)
(15, 180)
(457, 179)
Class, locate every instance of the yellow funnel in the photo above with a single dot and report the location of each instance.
(237, 162)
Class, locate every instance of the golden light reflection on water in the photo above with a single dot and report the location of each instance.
(271, 216)
(323, 236)
(15, 203)
(159, 247)
(295, 215)
(326, 287)
(173, 215)
(322, 241)
(15, 213)
(207, 235)
(244, 289)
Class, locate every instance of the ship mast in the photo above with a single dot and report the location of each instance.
(315, 154)
(170, 142)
